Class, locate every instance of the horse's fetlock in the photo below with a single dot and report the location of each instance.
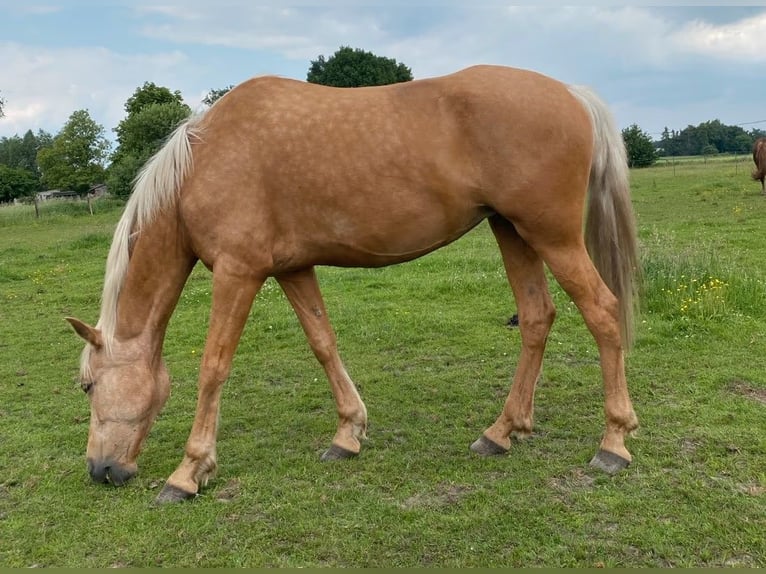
(627, 421)
(522, 426)
(205, 471)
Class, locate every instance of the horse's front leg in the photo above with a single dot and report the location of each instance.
(233, 294)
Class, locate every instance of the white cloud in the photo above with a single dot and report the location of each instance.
(743, 40)
(292, 33)
(46, 85)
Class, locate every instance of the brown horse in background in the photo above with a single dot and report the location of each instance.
(759, 157)
(280, 176)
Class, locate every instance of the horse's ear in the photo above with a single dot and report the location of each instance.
(90, 334)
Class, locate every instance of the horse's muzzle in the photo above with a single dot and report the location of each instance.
(109, 471)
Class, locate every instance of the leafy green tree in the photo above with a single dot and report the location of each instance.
(639, 146)
(75, 160)
(151, 93)
(743, 143)
(668, 144)
(140, 135)
(12, 152)
(214, 95)
(121, 174)
(21, 153)
(143, 132)
(351, 68)
(709, 150)
(16, 182)
(153, 112)
(2, 105)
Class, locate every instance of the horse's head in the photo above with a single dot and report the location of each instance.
(127, 388)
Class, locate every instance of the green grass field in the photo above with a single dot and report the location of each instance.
(428, 345)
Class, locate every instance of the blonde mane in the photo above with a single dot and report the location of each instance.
(154, 189)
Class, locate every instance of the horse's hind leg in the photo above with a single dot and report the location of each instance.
(525, 272)
(575, 272)
(302, 290)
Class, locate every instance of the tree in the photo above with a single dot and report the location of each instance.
(150, 93)
(351, 68)
(140, 135)
(743, 143)
(153, 113)
(668, 146)
(12, 152)
(2, 106)
(121, 174)
(709, 150)
(22, 152)
(75, 160)
(143, 132)
(16, 182)
(214, 95)
(639, 146)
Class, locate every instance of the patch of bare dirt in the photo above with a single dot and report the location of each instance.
(577, 479)
(748, 390)
(752, 489)
(740, 561)
(442, 495)
(689, 446)
(229, 492)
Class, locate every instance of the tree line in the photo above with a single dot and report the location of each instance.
(707, 138)
(81, 156)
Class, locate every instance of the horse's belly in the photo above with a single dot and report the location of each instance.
(384, 240)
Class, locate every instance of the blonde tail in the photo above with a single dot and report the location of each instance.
(610, 224)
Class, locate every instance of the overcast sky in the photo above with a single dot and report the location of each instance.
(655, 66)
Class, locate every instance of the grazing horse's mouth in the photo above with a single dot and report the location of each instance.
(109, 472)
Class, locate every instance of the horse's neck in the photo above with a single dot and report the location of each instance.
(160, 263)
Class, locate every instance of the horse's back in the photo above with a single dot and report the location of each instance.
(473, 105)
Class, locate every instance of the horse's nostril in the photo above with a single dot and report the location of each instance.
(98, 471)
(119, 475)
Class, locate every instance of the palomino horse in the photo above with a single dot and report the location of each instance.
(759, 157)
(280, 176)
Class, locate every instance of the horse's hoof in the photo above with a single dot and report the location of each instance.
(487, 447)
(336, 452)
(170, 494)
(609, 462)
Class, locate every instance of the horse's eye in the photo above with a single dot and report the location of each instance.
(86, 386)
